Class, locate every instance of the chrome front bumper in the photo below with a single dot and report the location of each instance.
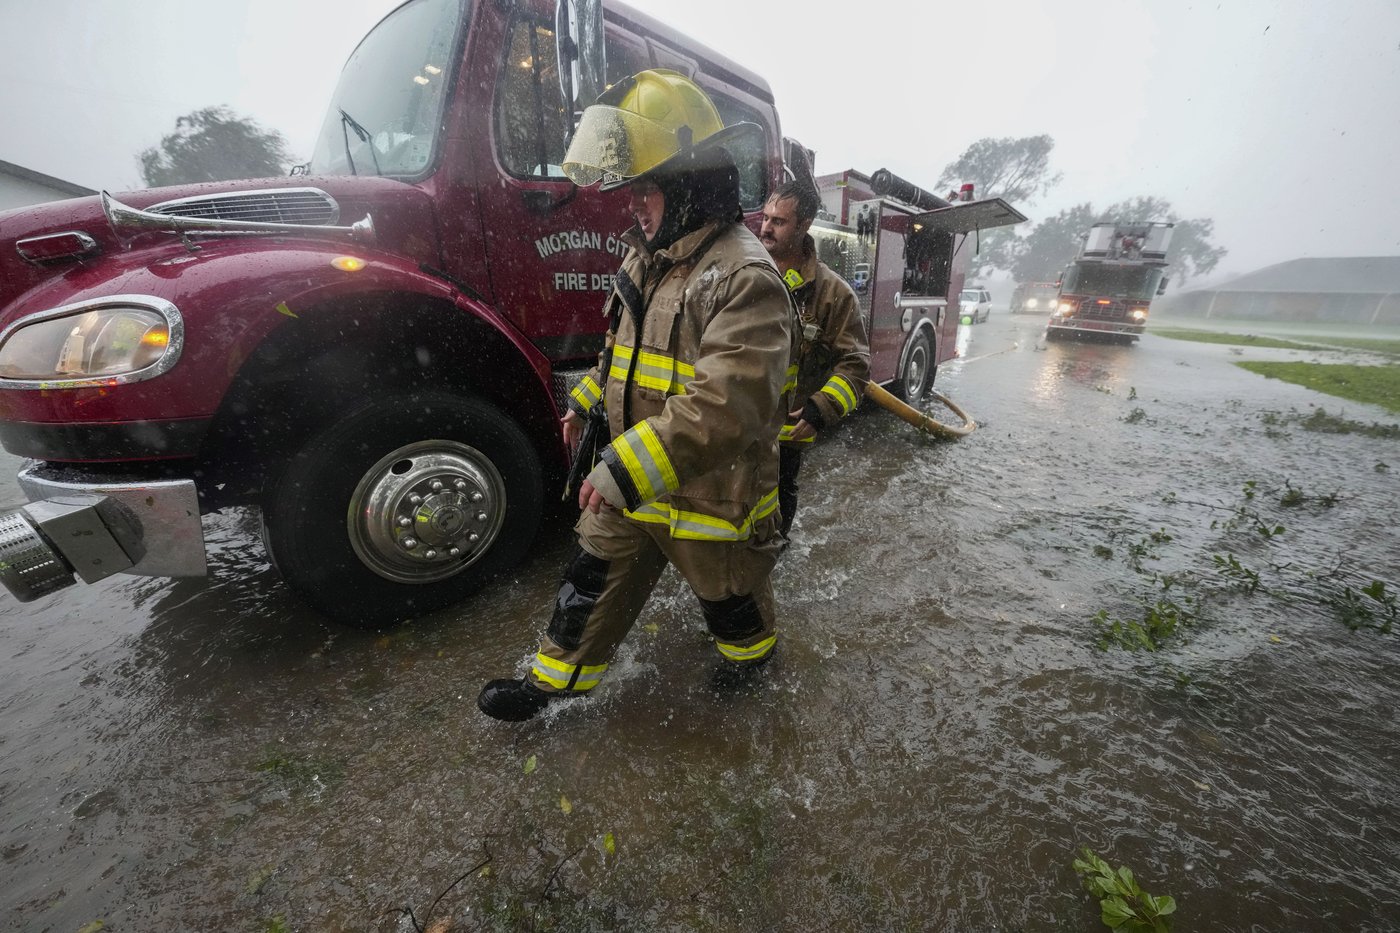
(167, 510)
(1099, 327)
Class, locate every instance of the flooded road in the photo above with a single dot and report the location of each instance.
(936, 739)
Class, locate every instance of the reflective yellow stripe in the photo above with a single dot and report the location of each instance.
(786, 435)
(791, 382)
(697, 526)
(646, 462)
(558, 674)
(840, 390)
(640, 479)
(658, 455)
(752, 653)
(653, 371)
(586, 393)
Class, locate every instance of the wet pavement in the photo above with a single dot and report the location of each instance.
(936, 738)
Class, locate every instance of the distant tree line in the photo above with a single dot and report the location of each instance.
(214, 144)
(1018, 169)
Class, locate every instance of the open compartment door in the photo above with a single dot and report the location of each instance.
(969, 216)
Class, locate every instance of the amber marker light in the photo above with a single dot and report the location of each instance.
(156, 338)
(348, 263)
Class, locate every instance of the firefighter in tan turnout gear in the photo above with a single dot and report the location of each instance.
(834, 357)
(695, 391)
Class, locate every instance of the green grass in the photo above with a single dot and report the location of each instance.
(1374, 344)
(1386, 345)
(1239, 340)
(1373, 385)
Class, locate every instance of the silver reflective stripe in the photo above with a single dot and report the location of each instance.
(645, 460)
(840, 390)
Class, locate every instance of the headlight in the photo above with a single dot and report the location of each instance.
(1139, 314)
(123, 339)
(1032, 302)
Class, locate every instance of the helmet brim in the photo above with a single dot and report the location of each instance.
(732, 139)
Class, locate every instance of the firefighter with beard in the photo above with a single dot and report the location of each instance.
(834, 357)
(695, 391)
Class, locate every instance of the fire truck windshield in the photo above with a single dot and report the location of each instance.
(1110, 281)
(386, 110)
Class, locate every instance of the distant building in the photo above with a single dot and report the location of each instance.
(21, 187)
(1347, 289)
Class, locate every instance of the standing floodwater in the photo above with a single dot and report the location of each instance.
(937, 738)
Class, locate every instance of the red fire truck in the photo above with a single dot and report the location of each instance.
(905, 251)
(1107, 289)
(374, 351)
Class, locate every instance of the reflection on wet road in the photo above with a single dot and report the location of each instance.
(934, 742)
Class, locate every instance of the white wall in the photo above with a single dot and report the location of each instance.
(21, 192)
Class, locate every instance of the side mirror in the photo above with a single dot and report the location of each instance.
(578, 36)
(1162, 286)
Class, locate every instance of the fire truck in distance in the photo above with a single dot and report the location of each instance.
(1035, 297)
(374, 352)
(1109, 286)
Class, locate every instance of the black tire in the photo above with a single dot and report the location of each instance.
(916, 375)
(340, 526)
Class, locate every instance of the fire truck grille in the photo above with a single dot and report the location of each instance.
(1093, 311)
(276, 206)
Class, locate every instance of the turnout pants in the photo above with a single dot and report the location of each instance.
(789, 465)
(613, 571)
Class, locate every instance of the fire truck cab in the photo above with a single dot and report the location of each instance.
(373, 352)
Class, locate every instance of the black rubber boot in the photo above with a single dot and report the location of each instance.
(732, 676)
(511, 700)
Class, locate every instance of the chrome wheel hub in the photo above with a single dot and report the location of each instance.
(426, 511)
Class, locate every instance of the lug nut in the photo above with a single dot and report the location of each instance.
(409, 543)
(437, 485)
(473, 537)
(477, 497)
(460, 484)
(454, 552)
(416, 499)
(430, 553)
(481, 516)
(405, 522)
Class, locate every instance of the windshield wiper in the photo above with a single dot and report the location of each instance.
(348, 121)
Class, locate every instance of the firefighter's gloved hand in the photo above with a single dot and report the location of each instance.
(802, 430)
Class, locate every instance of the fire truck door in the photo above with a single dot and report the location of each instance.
(552, 249)
(886, 330)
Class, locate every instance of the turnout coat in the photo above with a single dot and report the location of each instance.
(698, 385)
(833, 355)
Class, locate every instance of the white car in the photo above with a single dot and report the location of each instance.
(976, 304)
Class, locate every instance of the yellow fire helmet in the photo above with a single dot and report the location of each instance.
(642, 123)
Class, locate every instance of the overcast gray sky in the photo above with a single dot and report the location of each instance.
(1280, 120)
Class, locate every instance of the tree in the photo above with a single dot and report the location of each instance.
(1016, 169)
(214, 144)
(1040, 255)
(1048, 248)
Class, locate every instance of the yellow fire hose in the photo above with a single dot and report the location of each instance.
(917, 418)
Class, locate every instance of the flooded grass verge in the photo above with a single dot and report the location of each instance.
(1321, 421)
(1371, 385)
(1389, 346)
(1238, 340)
